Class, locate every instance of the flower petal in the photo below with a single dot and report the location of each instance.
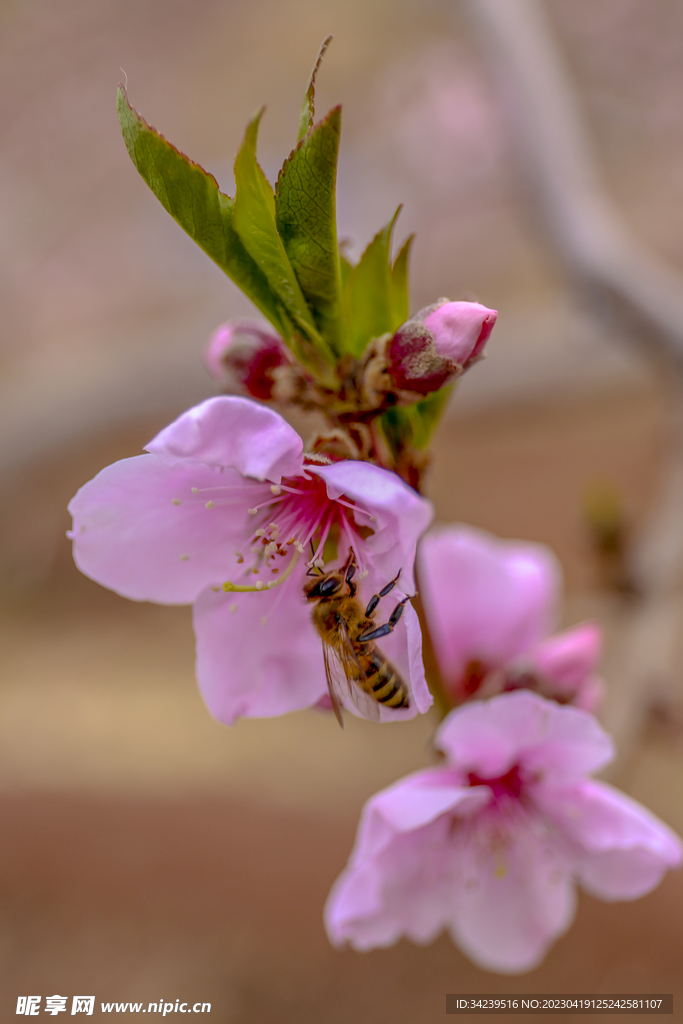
(397, 882)
(246, 668)
(489, 737)
(401, 517)
(487, 600)
(623, 849)
(410, 804)
(568, 658)
(232, 431)
(461, 329)
(139, 529)
(513, 900)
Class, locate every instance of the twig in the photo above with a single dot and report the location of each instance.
(629, 284)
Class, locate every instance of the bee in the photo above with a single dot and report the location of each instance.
(354, 668)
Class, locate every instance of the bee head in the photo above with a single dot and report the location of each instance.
(325, 586)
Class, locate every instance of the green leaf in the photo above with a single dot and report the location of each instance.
(307, 223)
(254, 221)
(413, 426)
(193, 199)
(308, 109)
(369, 293)
(399, 282)
(345, 267)
(427, 414)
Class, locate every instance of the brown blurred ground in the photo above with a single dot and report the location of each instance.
(147, 851)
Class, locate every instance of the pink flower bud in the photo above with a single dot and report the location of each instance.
(242, 355)
(461, 329)
(438, 344)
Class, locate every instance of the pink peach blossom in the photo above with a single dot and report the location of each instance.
(491, 605)
(227, 495)
(491, 843)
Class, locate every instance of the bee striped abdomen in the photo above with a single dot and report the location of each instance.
(386, 685)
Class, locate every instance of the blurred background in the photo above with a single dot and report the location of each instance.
(147, 851)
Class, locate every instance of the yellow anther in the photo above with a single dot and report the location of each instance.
(210, 504)
(176, 501)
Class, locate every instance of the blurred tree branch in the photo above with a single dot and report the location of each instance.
(640, 300)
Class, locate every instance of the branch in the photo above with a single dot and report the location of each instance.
(639, 292)
(639, 289)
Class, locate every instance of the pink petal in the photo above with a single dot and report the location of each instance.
(545, 739)
(401, 517)
(461, 330)
(397, 882)
(130, 536)
(568, 658)
(411, 803)
(514, 899)
(245, 668)
(236, 432)
(622, 849)
(487, 600)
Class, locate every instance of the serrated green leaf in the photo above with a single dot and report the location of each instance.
(193, 199)
(369, 293)
(308, 109)
(306, 221)
(399, 282)
(254, 221)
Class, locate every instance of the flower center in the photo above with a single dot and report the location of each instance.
(290, 519)
(509, 785)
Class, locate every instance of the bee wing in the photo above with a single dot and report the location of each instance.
(331, 675)
(354, 677)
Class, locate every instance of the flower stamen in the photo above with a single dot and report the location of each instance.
(229, 587)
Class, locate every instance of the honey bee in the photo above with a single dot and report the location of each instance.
(354, 668)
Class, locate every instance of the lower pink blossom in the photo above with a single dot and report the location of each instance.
(491, 605)
(491, 844)
(227, 513)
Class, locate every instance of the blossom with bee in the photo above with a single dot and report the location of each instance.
(491, 843)
(491, 606)
(225, 511)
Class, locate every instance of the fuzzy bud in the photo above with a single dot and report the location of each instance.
(438, 344)
(242, 354)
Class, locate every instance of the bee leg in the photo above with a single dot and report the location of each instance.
(387, 628)
(350, 573)
(374, 600)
